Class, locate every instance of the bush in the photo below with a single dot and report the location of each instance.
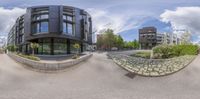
(163, 51)
(30, 57)
(189, 50)
(142, 54)
(168, 51)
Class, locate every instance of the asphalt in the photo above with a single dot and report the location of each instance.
(96, 78)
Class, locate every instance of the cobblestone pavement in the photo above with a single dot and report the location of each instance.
(152, 67)
(96, 78)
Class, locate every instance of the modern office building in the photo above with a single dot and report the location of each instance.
(174, 39)
(163, 38)
(167, 38)
(54, 28)
(160, 38)
(148, 37)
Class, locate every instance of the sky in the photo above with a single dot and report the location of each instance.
(125, 17)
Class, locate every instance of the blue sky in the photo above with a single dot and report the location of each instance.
(124, 16)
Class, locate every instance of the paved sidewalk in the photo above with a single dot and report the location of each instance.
(96, 78)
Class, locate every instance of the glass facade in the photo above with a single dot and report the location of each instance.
(44, 46)
(44, 16)
(40, 27)
(40, 17)
(55, 46)
(68, 18)
(40, 20)
(60, 46)
(64, 27)
(72, 49)
(44, 27)
(68, 28)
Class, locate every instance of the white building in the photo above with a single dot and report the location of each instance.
(167, 38)
(2, 41)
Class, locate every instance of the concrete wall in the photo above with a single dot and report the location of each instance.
(44, 66)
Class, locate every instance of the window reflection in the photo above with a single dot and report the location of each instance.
(40, 17)
(60, 46)
(67, 18)
(44, 27)
(69, 28)
(40, 27)
(64, 28)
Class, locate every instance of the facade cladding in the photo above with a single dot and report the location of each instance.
(148, 37)
(54, 28)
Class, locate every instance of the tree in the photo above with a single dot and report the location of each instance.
(100, 41)
(131, 44)
(106, 40)
(34, 46)
(77, 47)
(136, 44)
(109, 38)
(119, 42)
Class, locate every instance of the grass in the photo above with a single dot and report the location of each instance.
(31, 57)
(142, 54)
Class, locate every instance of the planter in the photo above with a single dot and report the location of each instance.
(48, 67)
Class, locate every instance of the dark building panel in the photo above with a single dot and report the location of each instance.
(27, 23)
(54, 19)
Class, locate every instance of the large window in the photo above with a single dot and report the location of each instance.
(44, 27)
(40, 27)
(60, 46)
(46, 46)
(72, 49)
(40, 48)
(68, 28)
(40, 20)
(67, 18)
(68, 24)
(64, 27)
(55, 45)
(44, 16)
(40, 17)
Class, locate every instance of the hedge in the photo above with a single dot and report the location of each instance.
(169, 51)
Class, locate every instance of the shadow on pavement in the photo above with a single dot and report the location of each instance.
(130, 75)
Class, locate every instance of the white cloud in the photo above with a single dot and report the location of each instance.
(8, 18)
(183, 18)
(103, 19)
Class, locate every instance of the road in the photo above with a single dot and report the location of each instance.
(96, 78)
